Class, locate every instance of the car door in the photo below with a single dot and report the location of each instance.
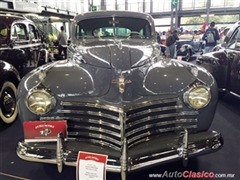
(233, 48)
(34, 43)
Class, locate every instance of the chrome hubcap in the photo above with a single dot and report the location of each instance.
(8, 103)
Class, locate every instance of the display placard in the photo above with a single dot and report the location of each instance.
(91, 166)
(44, 130)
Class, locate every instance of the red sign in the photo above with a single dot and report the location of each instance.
(44, 130)
(91, 166)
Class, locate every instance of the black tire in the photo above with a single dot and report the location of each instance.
(8, 108)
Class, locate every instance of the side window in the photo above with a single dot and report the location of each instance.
(19, 32)
(32, 32)
(235, 40)
(3, 30)
(80, 32)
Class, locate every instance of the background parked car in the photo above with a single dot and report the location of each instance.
(224, 62)
(8, 88)
(20, 41)
(188, 45)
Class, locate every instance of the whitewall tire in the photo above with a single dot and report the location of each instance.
(8, 104)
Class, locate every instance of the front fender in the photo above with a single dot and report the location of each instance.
(217, 64)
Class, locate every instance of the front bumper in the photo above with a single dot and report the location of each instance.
(158, 150)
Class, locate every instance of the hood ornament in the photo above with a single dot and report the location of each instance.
(119, 45)
(121, 83)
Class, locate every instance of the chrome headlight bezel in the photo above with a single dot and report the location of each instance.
(193, 89)
(45, 93)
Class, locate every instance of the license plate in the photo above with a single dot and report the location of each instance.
(44, 130)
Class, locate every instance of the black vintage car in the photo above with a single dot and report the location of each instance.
(224, 62)
(8, 88)
(188, 45)
(119, 97)
(19, 41)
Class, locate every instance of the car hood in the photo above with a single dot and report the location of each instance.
(105, 53)
(71, 79)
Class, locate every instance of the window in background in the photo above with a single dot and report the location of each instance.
(135, 5)
(121, 5)
(187, 4)
(147, 6)
(110, 4)
(161, 6)
(200, 4)
(225, 3)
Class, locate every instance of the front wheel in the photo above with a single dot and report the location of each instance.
(8, 104)
(188, 56)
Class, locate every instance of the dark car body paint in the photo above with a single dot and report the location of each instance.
(224, 64)
(18, 53)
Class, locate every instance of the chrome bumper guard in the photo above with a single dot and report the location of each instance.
(159, 150)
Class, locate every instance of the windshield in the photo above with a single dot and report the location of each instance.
(122, 27)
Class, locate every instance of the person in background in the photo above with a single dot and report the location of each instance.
(211, 36)
(171, 42)
(158, 38)
(62, 43)
(95, 33)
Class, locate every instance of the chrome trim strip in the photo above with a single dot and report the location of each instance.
(222, 89)
(161, 116)
(101, 106)
(159, 109)
(149, 103)
(99, 122)
(234, 94)
(99, 114)
(148, 133)
(100, 142)
(148, 126)
(91, 128)
(94, 135)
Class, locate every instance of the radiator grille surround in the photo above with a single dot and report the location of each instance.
(108, 125)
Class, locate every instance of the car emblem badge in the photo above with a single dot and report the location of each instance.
(121, 83)
(119, 44)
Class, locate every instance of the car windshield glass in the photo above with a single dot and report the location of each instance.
(235, 40)
(122, 27)
(3, 30)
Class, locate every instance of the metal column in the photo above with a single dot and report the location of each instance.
(208, 10)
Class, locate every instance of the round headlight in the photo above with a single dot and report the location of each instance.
(40, 102)
(197, 97)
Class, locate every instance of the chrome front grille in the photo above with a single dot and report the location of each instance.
(108, 125)
(93, 122)
(157, 117)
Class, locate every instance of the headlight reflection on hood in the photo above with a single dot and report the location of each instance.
(40, 102)
(197, 97)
